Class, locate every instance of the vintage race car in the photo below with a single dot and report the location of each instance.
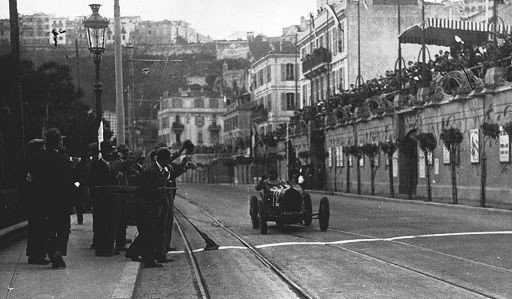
(286, 203)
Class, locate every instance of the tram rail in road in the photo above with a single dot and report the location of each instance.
(295, 287)
(472, 290)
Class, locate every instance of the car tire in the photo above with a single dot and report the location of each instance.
(324, 214)
(262, 213)
(253, 212)
(308, 209)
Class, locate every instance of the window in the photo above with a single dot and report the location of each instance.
(260, 78)
(321, 88)
(334, 41)
(287, 72)
(290, 101)
(332, 84)
(177, 118)
(269, 73)
(198, 103)
(322, 41)
(149, 32)
(200, 137)
(164, 123)
(177, 103)
(164, 105)
(341, 40)
(214, 103)
(269, 102)
(304, 95)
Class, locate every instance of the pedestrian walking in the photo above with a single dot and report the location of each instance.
(52, 174)
(37, 220)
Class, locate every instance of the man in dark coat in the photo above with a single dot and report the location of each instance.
(155, 200)
(37, 221)
(52, 174)
(103, 202)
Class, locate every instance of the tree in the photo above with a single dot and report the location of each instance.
(371, 150)
(346, 151)
(452, 139)
(357, 153)
(428, 144)
(389, 148)
(51, 100)
(490, 131)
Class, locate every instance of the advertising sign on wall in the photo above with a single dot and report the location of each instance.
(504, 146)
(421, 165)
(395, 164)
(474, 146)
(446, 155)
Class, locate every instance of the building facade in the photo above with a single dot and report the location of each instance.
(331, 58)
(274, 90)
(193, 115)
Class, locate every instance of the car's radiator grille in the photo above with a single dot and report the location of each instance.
(289, 200)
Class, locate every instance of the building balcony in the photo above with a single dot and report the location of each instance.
(177, 127)
(259, 113)
(214, 127)
(316, 63)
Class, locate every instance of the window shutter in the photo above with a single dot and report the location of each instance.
(283, 72)
(283, 101)
(297, 101)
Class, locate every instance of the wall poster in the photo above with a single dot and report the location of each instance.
(504, 146)
(395, 165)
(421, 165)
(429, 157)
(446, 155)
(474, 146)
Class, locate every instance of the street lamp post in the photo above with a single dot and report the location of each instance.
(96, 26)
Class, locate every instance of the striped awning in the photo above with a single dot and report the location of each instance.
(442, 32)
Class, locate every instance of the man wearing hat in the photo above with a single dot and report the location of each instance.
(36, 241)
(103, 203)
(52, 174)
(155, 200)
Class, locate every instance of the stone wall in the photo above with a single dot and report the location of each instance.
(464, 113)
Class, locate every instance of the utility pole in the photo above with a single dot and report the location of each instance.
(119, 74)
(16, 103)
(77, 63)
(131, 104)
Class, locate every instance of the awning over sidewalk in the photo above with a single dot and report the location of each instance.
(441, 32)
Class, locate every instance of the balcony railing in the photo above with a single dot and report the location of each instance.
(316, 62)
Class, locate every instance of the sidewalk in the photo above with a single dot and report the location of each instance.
(86, 275)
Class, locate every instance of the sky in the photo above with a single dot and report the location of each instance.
(217, 18)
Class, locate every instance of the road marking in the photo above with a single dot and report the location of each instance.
(358, 240)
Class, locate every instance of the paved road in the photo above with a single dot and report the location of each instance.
(372, 249)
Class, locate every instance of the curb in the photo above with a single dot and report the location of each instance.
(10, 229)
(418, 202)
(125, 286)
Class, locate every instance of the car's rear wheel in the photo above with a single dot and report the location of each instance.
(253, 211)
(262, 213)
(324, 214)
(308, 209)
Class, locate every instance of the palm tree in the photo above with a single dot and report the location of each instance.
(490, 131)
(371, 150)
(428, 144)
(452, 139)
(389, 148)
